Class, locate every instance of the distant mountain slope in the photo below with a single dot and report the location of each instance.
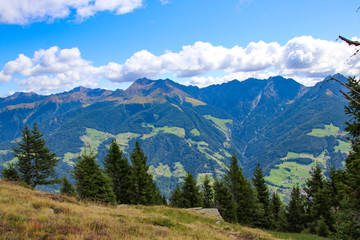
(184, 127)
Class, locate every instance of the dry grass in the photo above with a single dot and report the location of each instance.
(29, 214)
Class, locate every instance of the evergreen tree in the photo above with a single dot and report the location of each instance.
(263, 197)
(242, 192)
(318, 200)
(67, 188)
(91, 182)
(118, 169)
(208, 193)
(36, 164)
(348, 216)
(9, 173)
(144, 190)
(224, 201)
(191, 192)
(176, 198)
(295, 211)
(278, 212)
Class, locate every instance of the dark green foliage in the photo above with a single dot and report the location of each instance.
(118, 169)
(176, 198)
(36, 163)
(263, 197)
(224, 201)
(322, 228)
(242, 192)
(191, 192)
(9, 173)
(144, 190)
(295, 211)
(318, 201)
(278, 212)
(208, 193)
(91, 182)
(347, 182)
(67, 188)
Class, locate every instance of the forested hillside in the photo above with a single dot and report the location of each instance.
(278, 122)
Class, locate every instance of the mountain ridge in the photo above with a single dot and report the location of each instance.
(184, 127)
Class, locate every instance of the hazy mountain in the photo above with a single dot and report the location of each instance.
(278, 122)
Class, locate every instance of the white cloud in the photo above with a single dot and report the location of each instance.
(52, 69)
(163, 2)
(28, 11)
(305, 59)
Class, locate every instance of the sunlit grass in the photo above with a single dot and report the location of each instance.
(29, 214)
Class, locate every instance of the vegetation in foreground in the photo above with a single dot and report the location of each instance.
(30, 214)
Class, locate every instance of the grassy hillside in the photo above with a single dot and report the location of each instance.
(295, 168)
(30, 214)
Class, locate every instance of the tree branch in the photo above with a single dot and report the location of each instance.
(350, 42)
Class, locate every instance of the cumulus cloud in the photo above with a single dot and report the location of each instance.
(28, 11)
(52, 69)
(305, 59)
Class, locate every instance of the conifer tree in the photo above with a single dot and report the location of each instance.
(208, 193)
(118, 169)
(67, 188)
(176, 198)
(242, 192)
(348, 216)
(191, 192)
(318, 200)
(295, 211)
(263, 197)
(36, 163)
(91, 182)
(224, 201)
(278, 212)
(9, 173)
(144, 190)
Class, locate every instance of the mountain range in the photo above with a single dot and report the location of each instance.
(283, 125)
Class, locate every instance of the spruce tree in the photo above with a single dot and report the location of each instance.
(208, 193)
(242, 192)
(263, 197)
(318, 199)
(295, 211)
(224, 201)
(278, 212)
(91, 183)
(176, 199)
(36, 163)
(67, 188)
(144, 190)
(9, 173)
(191, 192)
(348, 216)
(118, 169)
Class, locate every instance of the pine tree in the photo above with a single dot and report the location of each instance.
(224, 201)
(118, 169)
(348, 216)
(295, 211)
(318, 199)
(91, 183)
(67, 188)
(144, 190)
(278, 212)
(191, 192)
(263, 197)
(242, 192)
(9, 173)
(208, 193)
(176, 199)
(36, 164)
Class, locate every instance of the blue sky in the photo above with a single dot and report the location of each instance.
(58, 45)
